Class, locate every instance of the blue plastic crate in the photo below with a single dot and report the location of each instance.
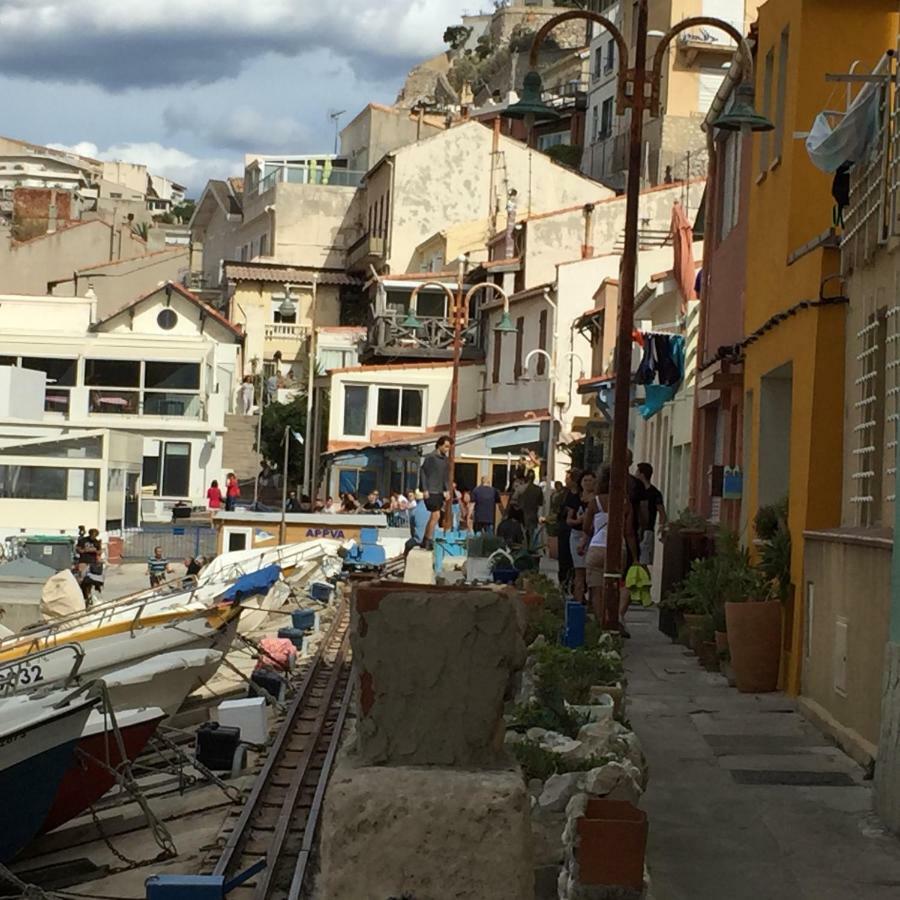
(321, 591)
(295, 635)
(303, 619)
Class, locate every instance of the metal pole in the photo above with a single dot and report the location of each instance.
(622, 402)
(310, 388)
(261, 382)
(282, 531)
(454, 390)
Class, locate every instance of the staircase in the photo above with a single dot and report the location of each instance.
(239, 447)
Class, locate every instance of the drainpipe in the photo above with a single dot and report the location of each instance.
(388, 244)
(270, 209)
(731, 79)
(493, 200)
(587, 248)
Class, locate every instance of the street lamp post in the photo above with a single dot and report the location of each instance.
(632, 84)
(459, 304)
(553, 382)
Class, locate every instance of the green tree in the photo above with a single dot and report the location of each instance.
(456, 36)
(277, 417)
(184, 211)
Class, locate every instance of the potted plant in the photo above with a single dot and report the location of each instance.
(754, 621)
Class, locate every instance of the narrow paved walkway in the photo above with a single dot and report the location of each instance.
(746, 799)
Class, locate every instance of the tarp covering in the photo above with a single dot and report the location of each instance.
(851, 139)
(253, 583)
(61, 596)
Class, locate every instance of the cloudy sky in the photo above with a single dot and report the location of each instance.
(188, 86)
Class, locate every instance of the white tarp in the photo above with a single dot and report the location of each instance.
(61, 596)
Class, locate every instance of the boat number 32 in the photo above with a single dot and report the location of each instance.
(21, 676)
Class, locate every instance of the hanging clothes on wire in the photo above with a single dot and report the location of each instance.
(664, 370)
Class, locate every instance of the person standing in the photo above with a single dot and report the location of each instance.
(214, 496)
(232, 491)
(569, 500)
(485, 500)
(434, 482)
(245, 395)
(158, 567)
(655, 512)
(577, 540)
(530, 501)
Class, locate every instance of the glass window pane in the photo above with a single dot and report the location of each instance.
(176, 475)
(173, 375)
(411, 410)
(8, 360)
(347, 481)
(431, 304)
(33, 482)
(70, 448)
(91, 489)
(150, 474)
(368, 482)
(356, 399)
(112, 372)
(58, 371)
(388, 406)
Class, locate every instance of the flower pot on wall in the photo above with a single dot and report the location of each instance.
(754, 641)
(612, 843)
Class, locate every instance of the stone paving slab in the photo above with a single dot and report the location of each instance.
(714, 839)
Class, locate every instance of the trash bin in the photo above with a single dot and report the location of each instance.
(50, 550)
(114, 547)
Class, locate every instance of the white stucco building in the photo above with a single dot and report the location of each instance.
(162, 369)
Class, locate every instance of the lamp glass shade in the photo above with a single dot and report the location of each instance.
(287, 307)
(411, 321)
(741, 115)
(505, 325)
(530, 103)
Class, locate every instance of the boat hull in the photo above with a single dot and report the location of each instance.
(34, 759)
(88, 776)
(121, 646)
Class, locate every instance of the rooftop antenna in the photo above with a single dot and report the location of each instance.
(335, 117)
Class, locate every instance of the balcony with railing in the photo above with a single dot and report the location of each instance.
(324, 175)
(368, 250)
(391, 335)
(286, 331)
(567, 95)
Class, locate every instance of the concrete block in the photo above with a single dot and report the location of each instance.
(419, 567)
(428, 833)
(435, 665)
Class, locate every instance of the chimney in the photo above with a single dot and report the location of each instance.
(52, 213)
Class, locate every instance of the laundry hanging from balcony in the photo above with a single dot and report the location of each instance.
(661, 370)
(851, 139)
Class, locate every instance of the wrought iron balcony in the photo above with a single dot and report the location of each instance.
(432, 339)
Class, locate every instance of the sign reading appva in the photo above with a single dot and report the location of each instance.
(336, 533)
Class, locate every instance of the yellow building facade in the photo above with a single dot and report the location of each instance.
(794, 318)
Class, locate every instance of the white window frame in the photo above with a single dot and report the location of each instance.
(374, 398)
(366, 428)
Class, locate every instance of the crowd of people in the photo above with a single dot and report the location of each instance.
(583, 520)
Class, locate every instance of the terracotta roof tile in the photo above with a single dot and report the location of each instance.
(244, 271)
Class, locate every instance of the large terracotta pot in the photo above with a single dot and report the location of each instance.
(754, 641)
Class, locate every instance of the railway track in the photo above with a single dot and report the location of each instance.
(278, 820)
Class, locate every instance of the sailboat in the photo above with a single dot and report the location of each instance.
(37, 745)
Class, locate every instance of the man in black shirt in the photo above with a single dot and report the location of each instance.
(434, 482)
(653, 510)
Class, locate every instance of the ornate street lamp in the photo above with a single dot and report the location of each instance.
(633, 80)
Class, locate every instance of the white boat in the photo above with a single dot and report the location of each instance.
(288, 557)
(164, 681)
(84, 653)
(37, 745)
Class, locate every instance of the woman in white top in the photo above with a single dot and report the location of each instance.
(595, 528)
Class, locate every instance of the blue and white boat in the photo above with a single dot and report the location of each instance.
(37, 743)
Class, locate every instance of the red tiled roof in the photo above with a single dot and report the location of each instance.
(278, 272)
